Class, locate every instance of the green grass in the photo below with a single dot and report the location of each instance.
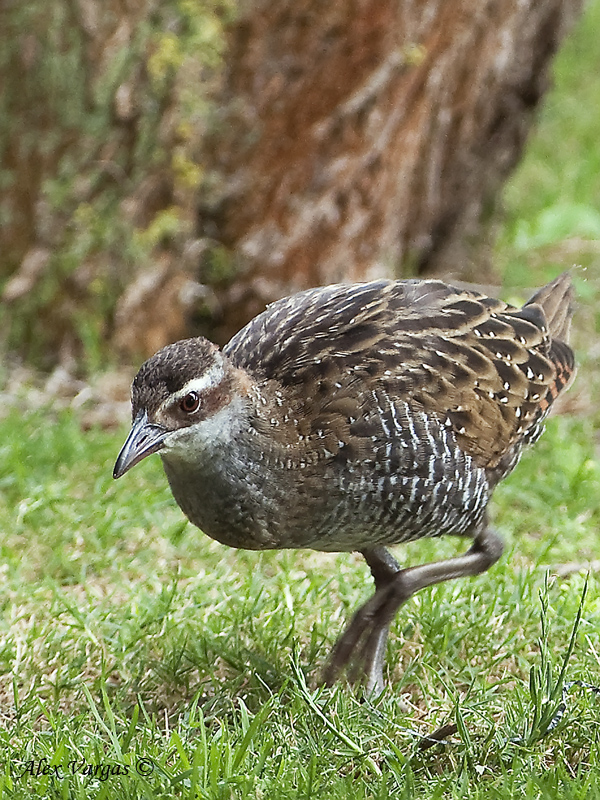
(130, 642)
(144, 660)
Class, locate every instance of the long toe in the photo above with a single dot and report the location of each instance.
(373, 660)
(361, 648)
(343, 650)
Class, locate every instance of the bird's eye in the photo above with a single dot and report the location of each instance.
(190, 403)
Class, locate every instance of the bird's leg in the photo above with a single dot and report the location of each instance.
(383, 568)
(363, 641)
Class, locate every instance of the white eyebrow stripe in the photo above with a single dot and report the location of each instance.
(211, 378)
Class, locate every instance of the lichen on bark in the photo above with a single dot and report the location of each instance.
(103, 110)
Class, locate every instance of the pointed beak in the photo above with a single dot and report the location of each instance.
(144, 438)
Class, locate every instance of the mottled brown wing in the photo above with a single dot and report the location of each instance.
(340, 320)
(486, 369)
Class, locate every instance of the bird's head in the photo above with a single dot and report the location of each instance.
(177, 390)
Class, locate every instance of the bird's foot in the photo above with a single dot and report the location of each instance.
(361, 648)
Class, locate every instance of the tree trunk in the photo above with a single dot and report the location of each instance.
(371, 138)
(169, 169)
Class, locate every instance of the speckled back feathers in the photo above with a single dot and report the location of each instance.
(487, 370)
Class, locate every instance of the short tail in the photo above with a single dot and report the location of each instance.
(556, 300)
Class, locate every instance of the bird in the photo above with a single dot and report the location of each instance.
(355, 417)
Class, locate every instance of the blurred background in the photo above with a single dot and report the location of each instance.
(168, 168)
